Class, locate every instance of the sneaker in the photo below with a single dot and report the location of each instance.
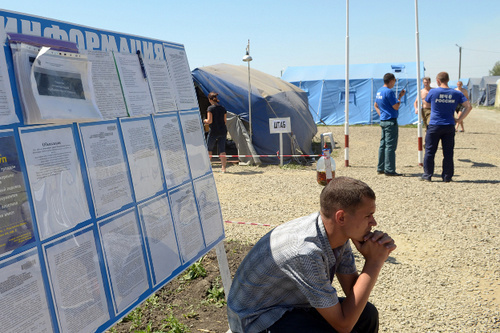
(447, 180)
(425, 179)
(380, 172)
(393, 174)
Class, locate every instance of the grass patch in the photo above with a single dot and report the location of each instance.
(215, 295)
(195, 271)
(173, 325)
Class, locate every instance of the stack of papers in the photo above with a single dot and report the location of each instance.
(54, 86)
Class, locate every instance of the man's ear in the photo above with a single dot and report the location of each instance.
(339, 217)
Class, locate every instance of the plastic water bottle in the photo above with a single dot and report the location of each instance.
(325, 168)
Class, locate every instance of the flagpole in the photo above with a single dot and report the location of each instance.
(419, 98)
(346, 99)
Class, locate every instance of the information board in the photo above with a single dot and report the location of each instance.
(96, 215)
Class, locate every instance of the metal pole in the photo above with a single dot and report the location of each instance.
(247, 58)
(347, 87)
(249, 101)
(459, 62)
(281, 149)
(419, 97)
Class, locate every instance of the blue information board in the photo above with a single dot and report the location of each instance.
(106, 189)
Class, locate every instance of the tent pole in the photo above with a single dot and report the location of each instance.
(419, 97)
(346, 100)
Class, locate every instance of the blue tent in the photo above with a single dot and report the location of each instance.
(271, 98)
(325, 87)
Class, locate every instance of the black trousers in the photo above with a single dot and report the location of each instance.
(309, 320)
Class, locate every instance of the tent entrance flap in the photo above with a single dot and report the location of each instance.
(239, 134)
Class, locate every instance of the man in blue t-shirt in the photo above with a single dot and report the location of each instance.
(387, 107)
(444, 101)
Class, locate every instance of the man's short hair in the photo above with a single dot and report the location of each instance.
(388, 78)
(443, 77)
(343, 193)
(427, 78)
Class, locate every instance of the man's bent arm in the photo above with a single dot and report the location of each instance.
(343, 317)
(347, 281)
(377, 108)
(375, 248)
(464, 114)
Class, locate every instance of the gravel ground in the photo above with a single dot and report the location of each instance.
(445, 274)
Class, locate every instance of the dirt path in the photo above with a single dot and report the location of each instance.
(445, 274)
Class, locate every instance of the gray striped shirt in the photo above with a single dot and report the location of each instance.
(292, 266)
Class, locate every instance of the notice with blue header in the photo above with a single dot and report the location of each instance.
(16, 227)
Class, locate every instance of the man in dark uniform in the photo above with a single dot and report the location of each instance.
(441, 127)
(216, 119)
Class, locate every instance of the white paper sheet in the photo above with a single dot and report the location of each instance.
(107, 89)
(135, 86)
(186, 221)
(210, 213)
(179, 71)
(106, 167)
(76, 282)
(173, 154)
(160, 237)
(143, 157)
(23, 305)
(55, 178)
(7, 109)
(124, 259)
(161, 85)
(199, 161)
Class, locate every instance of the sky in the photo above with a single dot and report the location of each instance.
(300, 33)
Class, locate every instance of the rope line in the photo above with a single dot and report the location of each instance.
(277, 155)
(251, 223)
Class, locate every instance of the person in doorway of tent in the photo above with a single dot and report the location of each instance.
(426, 107)
(284, 284)
(460, 108)
(444, 101)
(216, 119)
(387, 107)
